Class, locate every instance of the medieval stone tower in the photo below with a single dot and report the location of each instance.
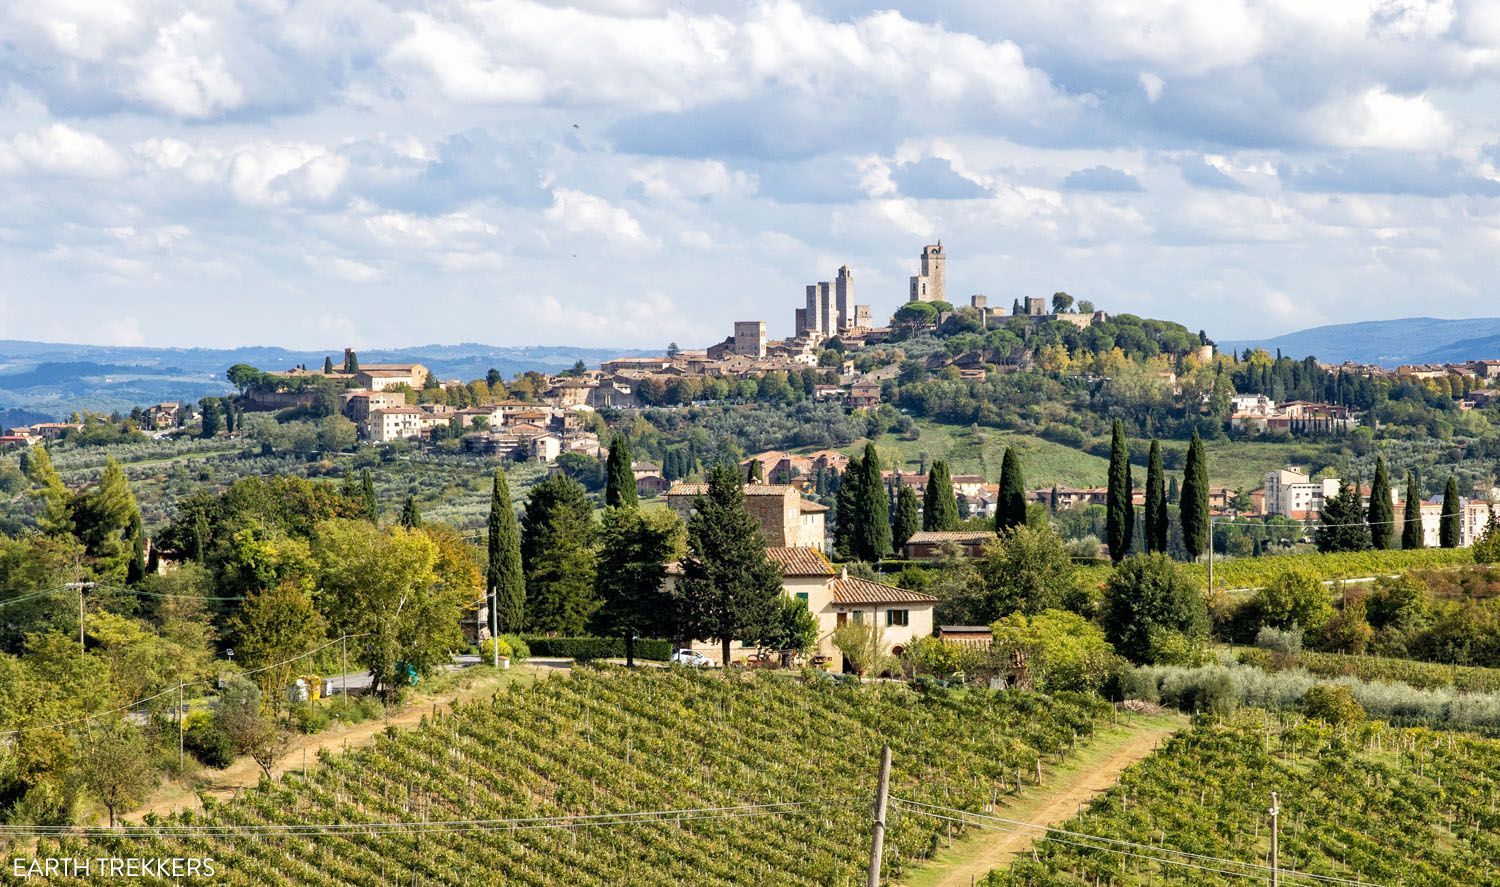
(930, 285)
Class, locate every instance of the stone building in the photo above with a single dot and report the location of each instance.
(829, 308)
(750, 338)
(930, 284)
(785, 517)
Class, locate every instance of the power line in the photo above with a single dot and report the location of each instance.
(173, 689)
(408, 827)
(1017, 825)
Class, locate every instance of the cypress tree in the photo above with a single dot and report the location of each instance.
(619, 484)
(907, 521)
(1382, 516)
(1052, 501)
(1156, 503)
(1450, 529)
(755, 474)
(729, 590)
(351, 363)
(327, 365)
(1411, 524)
(1119, 513)
(1010, 508)
(367, 496)
(230, 419)
(1193, 506)
(872, 516)
(1172, 492)
(411, 518)
(136, 570)
(845, 504)
(939, 504)
(212, 421)
(505, 581)
(557, 553)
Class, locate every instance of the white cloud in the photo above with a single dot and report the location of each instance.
(185, 73)
(1376, 118)
(60, 149)
(579, 212)
(1151, 85)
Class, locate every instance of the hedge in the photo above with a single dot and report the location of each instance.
(584, 649)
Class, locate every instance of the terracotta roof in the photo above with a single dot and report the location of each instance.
(688, 489)
(800, 561)
(813, 507)
(951, 536)
(850, 590)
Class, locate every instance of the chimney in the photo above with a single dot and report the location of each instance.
(844, 571)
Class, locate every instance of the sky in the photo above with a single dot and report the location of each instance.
(631, 172)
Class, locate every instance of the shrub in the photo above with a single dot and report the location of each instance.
(1062, 651)
(1294, 598)
(519, 651)
(310, 717)
(1399, 603)
(1332, 703)
(1287, 642)
(932, 656)
(203, 739)
(487, 649)
(1149, 594)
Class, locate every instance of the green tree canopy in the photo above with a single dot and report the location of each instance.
(939, 503)
(1024, 570)
(1010, 508)
(505, 578)
(1382, 516)
(1450, 529)
(871, 539)
(1342, 522)
(907, 520)
(619, 484)
(1411, 518)
(1193, 501)
(1149, 604)
(1156, 502)
(636, 547)
(558, 551)
(1061, 650)
(1120, 513)
(729, 589)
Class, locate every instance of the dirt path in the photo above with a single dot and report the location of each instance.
(173, 795)
(1092, 770)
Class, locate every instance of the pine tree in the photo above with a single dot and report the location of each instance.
(1119, 511)
(872, 516)
(56, 515)
(327, 365)
(557, 551)
(939, 505)
(1382, 515)
(1156, 503)
(1342, 522)
(1411, 524)
(103, 516)
(371, 505)
(411, 518)
(729, 590)
(505, 580)
(619, 483)
(907, 521)
(1450, 530)
(637, 546)
(1010, 507)
(1193, 505)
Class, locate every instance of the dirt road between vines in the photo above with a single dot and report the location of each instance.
(1075, 782)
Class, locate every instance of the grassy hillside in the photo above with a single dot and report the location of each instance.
(617, 742)
(1239, 465)
(1381, 805)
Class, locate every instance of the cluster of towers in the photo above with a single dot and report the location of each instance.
(830, 308)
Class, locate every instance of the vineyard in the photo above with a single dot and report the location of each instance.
(1422, 675)
(1376, 804)
(475, 797)
(1254, 572)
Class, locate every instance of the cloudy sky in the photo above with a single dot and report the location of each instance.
(628, 172)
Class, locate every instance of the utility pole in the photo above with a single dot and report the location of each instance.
(1275, 841)
(1210, 556)
(344, 666)
(79, 587)
(495, 627)
(179, 727)
(877, 842)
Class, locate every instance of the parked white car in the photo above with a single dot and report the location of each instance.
(691, 659)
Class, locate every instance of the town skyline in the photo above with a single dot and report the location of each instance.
(378, 175)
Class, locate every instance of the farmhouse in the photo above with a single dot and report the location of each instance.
(785, 517)
(929, 545)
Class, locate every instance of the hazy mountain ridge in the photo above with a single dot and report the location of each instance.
(54, 380)
(1387, 342)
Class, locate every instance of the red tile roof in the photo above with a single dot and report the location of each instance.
(800, 561)
(851, 590)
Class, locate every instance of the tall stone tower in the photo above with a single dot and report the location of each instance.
(813, 319)
(930, 285)
(843, 290)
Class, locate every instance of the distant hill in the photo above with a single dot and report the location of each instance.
(52, 380)
(1388, 342)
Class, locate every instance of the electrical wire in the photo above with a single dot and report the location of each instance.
(414, 826)
(1051, 831)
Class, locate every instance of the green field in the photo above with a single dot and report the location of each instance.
(1238, 465)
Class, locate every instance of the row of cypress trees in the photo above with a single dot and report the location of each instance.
(1120, 513)
(1347, 526)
